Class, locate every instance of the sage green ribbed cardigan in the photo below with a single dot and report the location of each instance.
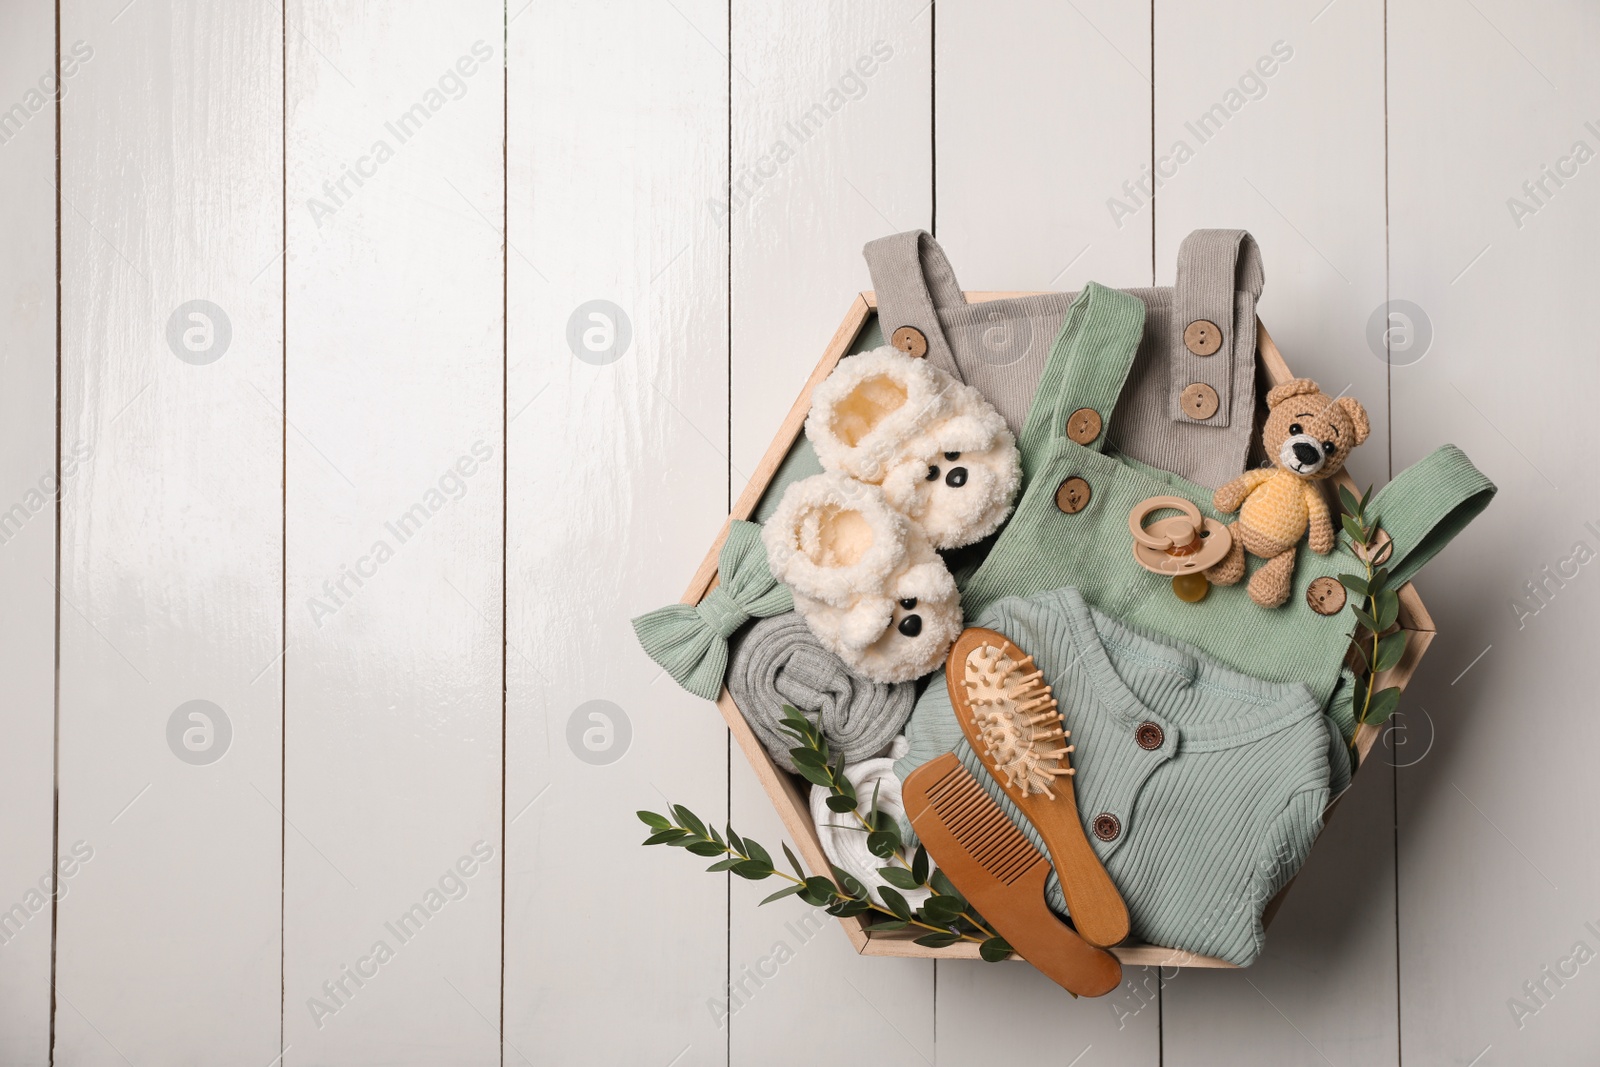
(1215, 820)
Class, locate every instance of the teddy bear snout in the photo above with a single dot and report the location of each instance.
(1302, 454)
(956, 478)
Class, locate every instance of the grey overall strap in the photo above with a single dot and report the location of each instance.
(1213, 328)
(912, 279)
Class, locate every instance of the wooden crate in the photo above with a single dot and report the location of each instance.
(789, 793)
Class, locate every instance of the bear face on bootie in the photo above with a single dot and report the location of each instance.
(864, 578)
(1309, 435)
(940, 451)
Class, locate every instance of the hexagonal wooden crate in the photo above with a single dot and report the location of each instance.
(789, 792)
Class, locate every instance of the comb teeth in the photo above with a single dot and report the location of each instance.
(980, 827)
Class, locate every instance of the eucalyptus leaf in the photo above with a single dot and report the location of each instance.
(852, 907)
(890, 924)
(706, 848)
(848, 882)
(1383, 705)
(821, 888)
(882, 845)
(753, 849)
(895, 903)
(942, 911)
(944, 888)
(786, 891)
(807, 757)
(797, 720)
(995, 949)
(899, 877)
(724, 865)
(1353, 528)
(662, 837)
(817, 776)
(1354, 583)
(919, 866)
(1390, 649)
(754, 870)
(736, 841)
(1365, 620)
(938, 940)
(689, 820)
(1349, 501)
(1388, 603)
(841, 804)
(651, 819)
(788, 854)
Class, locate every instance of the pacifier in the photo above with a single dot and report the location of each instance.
(1182, 546)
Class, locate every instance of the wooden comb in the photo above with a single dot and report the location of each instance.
(1013, 724)
(1002, 874)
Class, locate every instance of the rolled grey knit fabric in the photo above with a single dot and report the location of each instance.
(779, 661)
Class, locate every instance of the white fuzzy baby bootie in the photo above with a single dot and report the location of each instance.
(940, 451)
(864, 578)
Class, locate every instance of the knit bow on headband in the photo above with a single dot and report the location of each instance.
(691, 640)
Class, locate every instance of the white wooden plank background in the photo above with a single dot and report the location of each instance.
(27, 536)
(398, 352)
(168, 944)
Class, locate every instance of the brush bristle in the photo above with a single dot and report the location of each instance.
(1017, 720)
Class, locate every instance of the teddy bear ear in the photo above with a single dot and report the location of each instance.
(1358, 416)
(1293, 387)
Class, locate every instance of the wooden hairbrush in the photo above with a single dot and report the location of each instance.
(1001, 874)
(1013, 724)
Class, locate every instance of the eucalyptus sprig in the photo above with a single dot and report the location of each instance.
(843, 895)
(946, 907)
(1376, 609)
(945, 915)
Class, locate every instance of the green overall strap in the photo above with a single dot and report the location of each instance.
(1087, 368)
(1426, 505)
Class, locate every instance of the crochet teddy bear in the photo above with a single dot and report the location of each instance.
(1310, 434)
